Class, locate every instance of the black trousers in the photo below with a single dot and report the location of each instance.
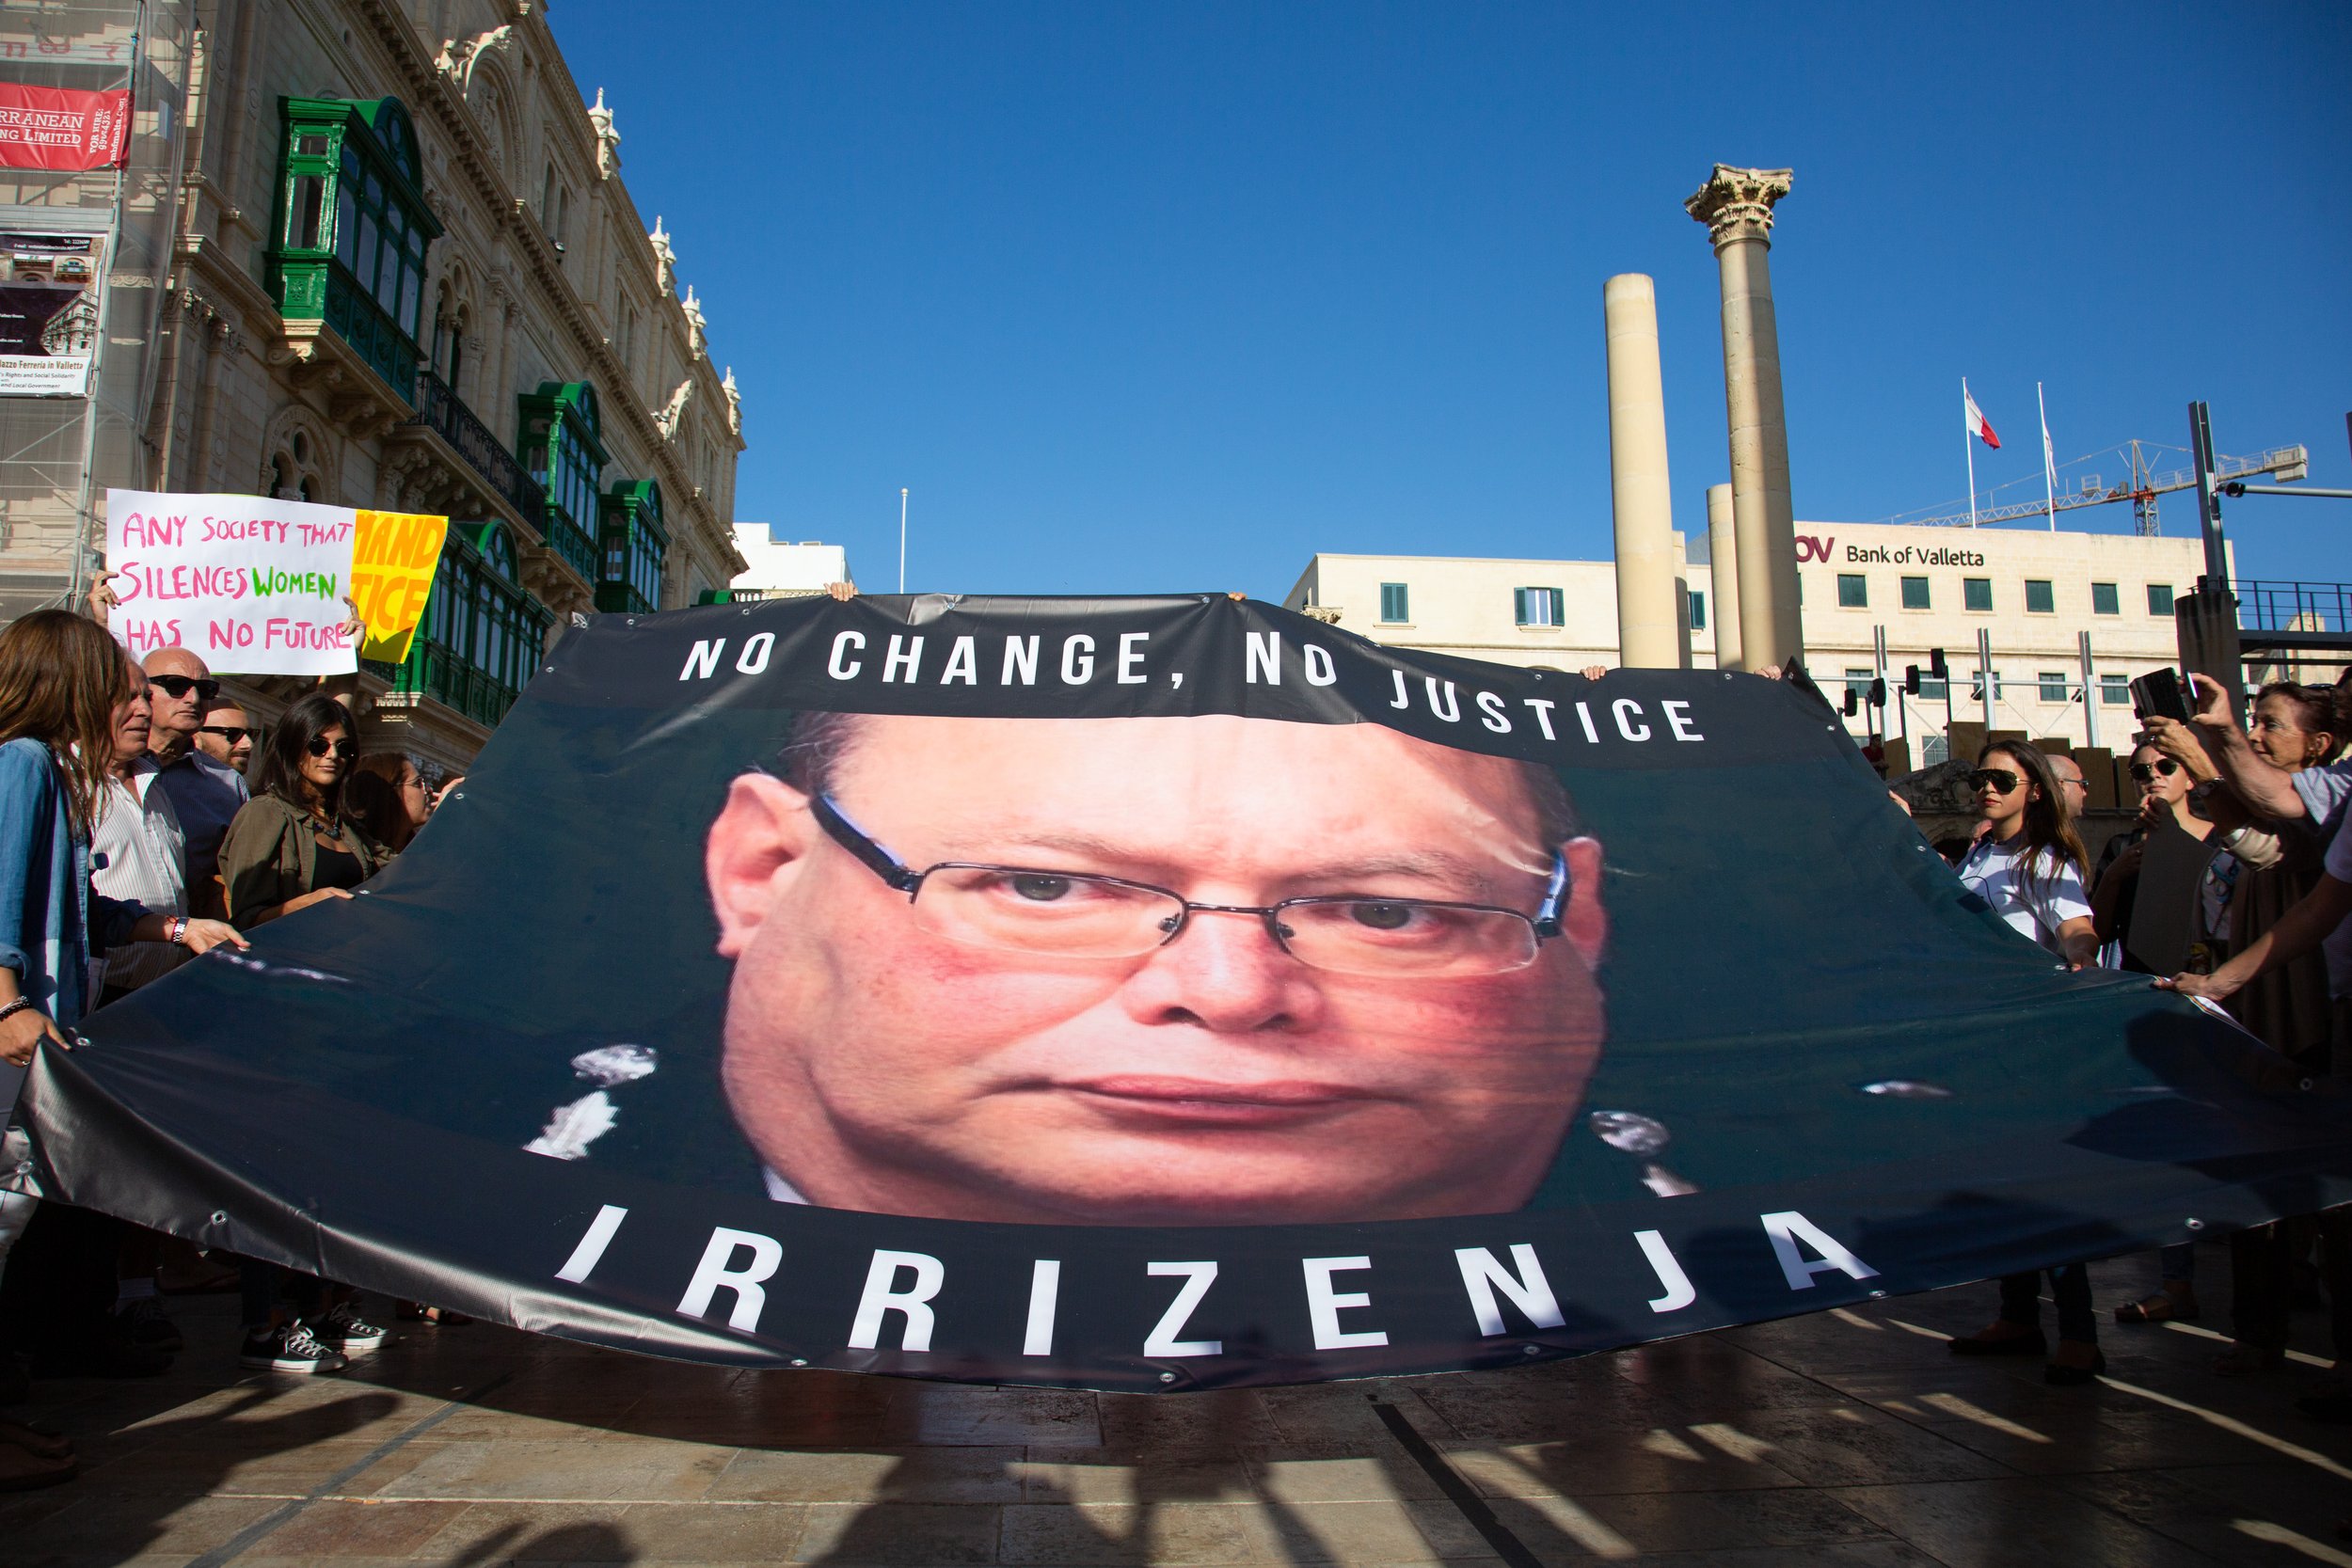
(2070, 1287)
(2262, 1263)
(57, 1299)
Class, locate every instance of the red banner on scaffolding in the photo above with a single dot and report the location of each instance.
(62, 129)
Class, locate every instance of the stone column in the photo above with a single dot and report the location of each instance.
(1723, 556)
(1736, 204)
(1648, 616)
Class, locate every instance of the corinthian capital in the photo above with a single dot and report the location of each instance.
(1736, 203)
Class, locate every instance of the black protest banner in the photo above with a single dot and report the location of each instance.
(1158, 994)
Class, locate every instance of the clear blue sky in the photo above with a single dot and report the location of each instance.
(1152, 298)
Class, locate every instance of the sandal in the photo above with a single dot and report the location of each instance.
(42, 1445)
(22, 1470)
(440, 1317)
(2163, 1306)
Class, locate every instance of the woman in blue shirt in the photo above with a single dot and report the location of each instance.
(65, 687)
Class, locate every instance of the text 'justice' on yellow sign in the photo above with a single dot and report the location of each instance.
(392, 574)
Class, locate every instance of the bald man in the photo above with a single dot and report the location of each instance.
(206, 795)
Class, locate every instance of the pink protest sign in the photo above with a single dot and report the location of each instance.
(252, 586)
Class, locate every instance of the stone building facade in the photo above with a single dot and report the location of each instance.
(409, 276)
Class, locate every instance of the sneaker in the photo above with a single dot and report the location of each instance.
(346, 1330)
(290, 1348)
(144, 1322)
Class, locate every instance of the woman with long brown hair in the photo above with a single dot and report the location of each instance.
(2029, 862)
(386, 794)
(2028, 866)
(296, 842)
(62, 679)
(65, 691)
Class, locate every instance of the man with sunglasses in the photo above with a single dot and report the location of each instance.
(206, 794)
(228, 735)
(1153, 970)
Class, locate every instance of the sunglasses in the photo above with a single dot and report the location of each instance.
(231, 733)
(2001, 779)
(320, 746)
(2143, 772)
(176, 687)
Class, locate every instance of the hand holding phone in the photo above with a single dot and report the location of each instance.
(2158, 694)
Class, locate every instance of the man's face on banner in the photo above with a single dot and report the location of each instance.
(977, 1053)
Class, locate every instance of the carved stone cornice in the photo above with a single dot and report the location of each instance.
(552, 580)
(1327, 613)
(429, 91)
(312, 357)
(422, 472)
(1736, 203)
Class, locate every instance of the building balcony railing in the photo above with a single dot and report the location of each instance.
(437, 671)
(2293, 606)
(445, 413)
(572, 545)
(361, 323)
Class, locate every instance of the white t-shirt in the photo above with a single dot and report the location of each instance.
(138, 852)
(2337, 947)
(2324, 791)
(2036, 906)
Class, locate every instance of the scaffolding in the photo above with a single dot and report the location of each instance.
(59, 453)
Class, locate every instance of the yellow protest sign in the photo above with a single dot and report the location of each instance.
(392, 574)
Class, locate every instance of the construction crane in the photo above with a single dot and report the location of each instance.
(2286, 464)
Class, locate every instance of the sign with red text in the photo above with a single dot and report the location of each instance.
(63, 130)
(250, 585)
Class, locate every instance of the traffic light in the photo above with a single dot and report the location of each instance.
(1877, 692)
(1935, 665)
(1911, 680)
(1853, 702)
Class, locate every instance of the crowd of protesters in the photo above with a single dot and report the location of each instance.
(145, 818)
(2236, 885)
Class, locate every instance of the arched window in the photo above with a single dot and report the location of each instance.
(295, 459)
(354, 226)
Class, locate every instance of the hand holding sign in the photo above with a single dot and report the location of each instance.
(257, 586)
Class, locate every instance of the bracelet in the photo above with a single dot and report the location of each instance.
(15, 1008)
(178, 930)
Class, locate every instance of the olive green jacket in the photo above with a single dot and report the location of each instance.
(270, 855)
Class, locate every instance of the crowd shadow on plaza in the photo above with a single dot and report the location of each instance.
(141, 1468)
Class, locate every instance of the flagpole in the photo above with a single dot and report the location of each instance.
(902, 538)
(1969, 445)
(2049, 473)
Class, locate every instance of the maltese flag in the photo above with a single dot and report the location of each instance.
(1979, 426)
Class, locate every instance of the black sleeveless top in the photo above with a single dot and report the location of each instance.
(337, 868)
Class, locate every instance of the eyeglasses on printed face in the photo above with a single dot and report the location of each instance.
(1080, 915)
(2001, 779)
(2143, 772)
(320, 746)
(233, 734)
(177, 687)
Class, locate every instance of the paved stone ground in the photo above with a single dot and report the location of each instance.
(1841, 1438)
